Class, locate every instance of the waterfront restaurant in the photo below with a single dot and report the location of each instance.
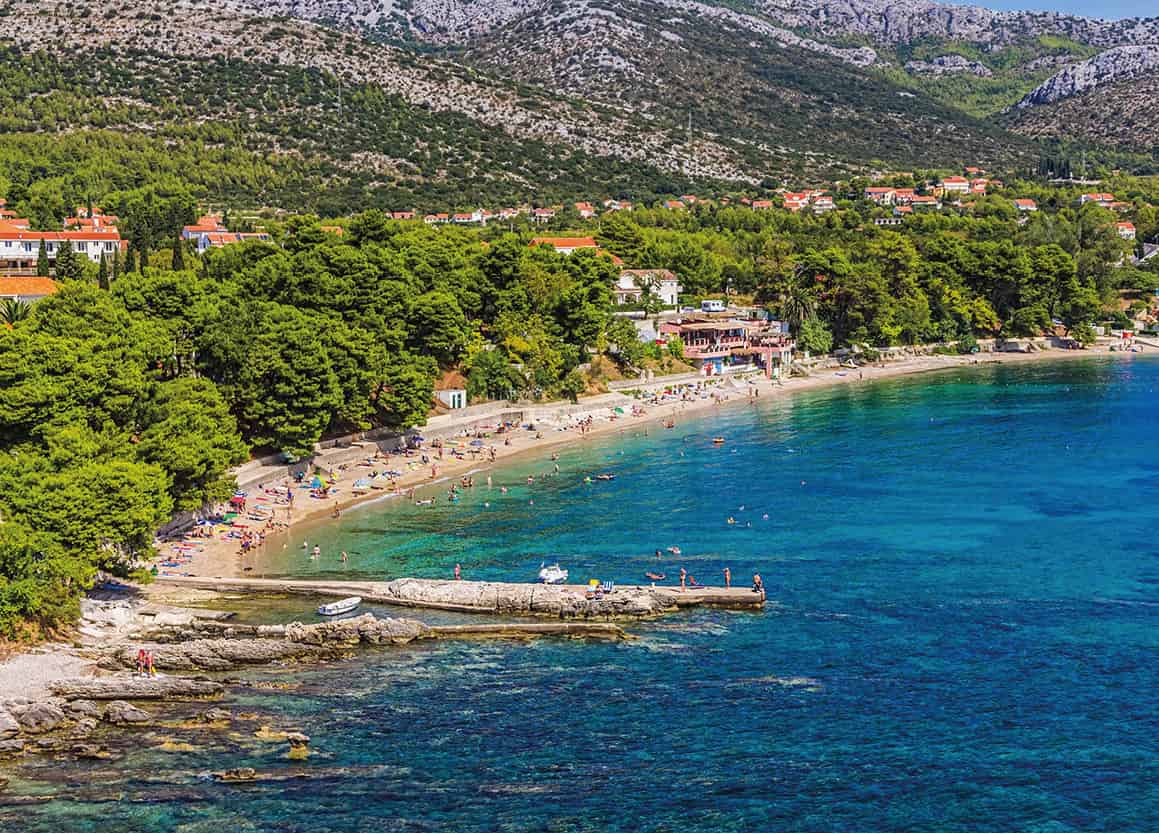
(717, 345)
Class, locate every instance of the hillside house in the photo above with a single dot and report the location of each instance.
(212, 240)
(922, 202)
(796, 200)
(402, 215)
(674, 204)
(762, 205)
(565, 245)
(880, 195)
(543, 215)
(1099, 199)
(205, 223)
(1024, 205)
(955, 185)
(617, 205)
(1126, 230)
(978, 186)
(629, 288)
(585, 210)
(823, 203)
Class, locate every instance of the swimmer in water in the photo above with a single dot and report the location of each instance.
(317, 551)
(345, 558)
(503, 490)
(731, 520)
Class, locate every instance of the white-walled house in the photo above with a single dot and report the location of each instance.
(20, 248)
(630, 286)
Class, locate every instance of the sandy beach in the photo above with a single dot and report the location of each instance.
(217, 551)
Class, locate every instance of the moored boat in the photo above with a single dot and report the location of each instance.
(552, 574)
(332, 609)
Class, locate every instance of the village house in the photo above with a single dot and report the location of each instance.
(880, 195)
(728, 345)
(903, 211)
(1126, 230)
(27, 290)
(673, 204)
(978, 186)
(451, 390)
(922, 201)
(1104, 200)
(617, 205)
(796, 200)
(20, 247)
(94, 222)
(761, 205)
(437, 218)
(543, 215)
(972, 171)
(402, 215)
(887, 221)
(211, 240)
(955, 185)
(823, 203)
(205, 223)
(1023, 204)
(566, 245)
(630, 286)
(585, 210)
(904, 196)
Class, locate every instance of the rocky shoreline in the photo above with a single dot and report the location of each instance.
(74, 716)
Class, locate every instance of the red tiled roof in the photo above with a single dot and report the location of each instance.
(26, 286)
(566, 242)
(11, 232)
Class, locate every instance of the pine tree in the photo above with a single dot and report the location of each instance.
(103, 273)
(42, 265)
(68, 264)
(178, 254)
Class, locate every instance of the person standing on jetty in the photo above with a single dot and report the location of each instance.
(683, 577)
(458, 572)
(727, 578)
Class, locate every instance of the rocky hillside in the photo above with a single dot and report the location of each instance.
(1117, 64)
(1122, 114)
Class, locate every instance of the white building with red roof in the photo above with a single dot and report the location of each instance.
(20, 247)
(1126, 230)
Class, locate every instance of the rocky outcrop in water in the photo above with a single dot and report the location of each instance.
(1118, 64)
(216, 647)
(123, 688)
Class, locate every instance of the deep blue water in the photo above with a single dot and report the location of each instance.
(962, 635)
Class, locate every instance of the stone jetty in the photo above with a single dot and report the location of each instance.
(569, 602)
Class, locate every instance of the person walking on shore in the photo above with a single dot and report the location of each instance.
(458, 572)
(727, 578)
(683, 577)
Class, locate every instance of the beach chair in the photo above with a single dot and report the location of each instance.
(607, 587)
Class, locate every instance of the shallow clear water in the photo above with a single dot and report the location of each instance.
(962, 635)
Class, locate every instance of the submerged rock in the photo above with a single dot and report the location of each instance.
(237, 774)
(215, 716)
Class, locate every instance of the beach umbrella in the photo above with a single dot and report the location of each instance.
(316, 483)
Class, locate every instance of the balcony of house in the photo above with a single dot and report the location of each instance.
(714, 348)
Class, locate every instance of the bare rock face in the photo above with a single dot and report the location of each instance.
(11, 747)
(215, 715)
(948, 65)
(122, 712)
(1117, 64)
(9, 726)
(38, 718)
(116, 687)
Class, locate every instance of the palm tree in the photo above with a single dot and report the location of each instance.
(13, 310)
(798, 303)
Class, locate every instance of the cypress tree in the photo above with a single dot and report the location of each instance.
(131, 262)
(116, 268)
(178, 254)
(42, 268)
(103, 273)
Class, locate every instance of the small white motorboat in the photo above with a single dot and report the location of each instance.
(552, 574)
(332, 609)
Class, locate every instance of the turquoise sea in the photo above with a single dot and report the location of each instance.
(963, 634)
